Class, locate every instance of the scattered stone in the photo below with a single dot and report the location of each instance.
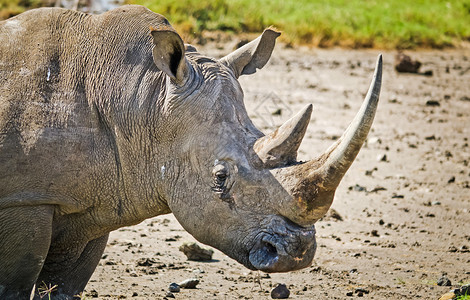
(361, 290)
(427, 73)
(93, 294)
(374, 233)
(444, 281)
(358, 188)
(447, 296)
(174, 288)
(451, 180)
(349, 294)
(464, 98)
(433, 103)
(189, 283)
(145, 262)
(436, 203)
(332, 214)
(404, 64)
(377, 189)
(195, 252)
(382, 157)
(280, 292)
(133, 274)
(169, 295)
(465, 290)
(241, 43)
(135, 294)
(452, 249)
(374, 140)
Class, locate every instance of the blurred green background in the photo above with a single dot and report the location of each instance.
(389, 24)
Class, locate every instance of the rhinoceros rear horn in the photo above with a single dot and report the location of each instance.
(168, 54)
(280, 147)
(254, 55)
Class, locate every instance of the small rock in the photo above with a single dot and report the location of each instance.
(169, 295)
(133, 274)
(93, 294)
(280, 292)
(452, 249)
(195, 252)
(241, 43)
(465, 289)
(349, 294)
(189, 283)
(382, 157)
(374, 233)
(374, 140)
(444, 281)
(174, 288)
(428, 73)
(332, 214)
(451, 180)
(358, 188)
(404, 64)
(433, 103)
(145, 262)
(361, 290)
(447, 296)
(465, 98)
(377, 189)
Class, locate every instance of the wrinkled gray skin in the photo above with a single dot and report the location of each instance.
(108, 120)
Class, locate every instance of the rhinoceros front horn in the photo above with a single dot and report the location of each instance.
(312, 184)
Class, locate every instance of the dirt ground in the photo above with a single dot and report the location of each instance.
(404, 203)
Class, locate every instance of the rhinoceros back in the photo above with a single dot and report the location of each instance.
(65, 80)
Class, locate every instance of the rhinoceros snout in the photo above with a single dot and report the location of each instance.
(284, 248)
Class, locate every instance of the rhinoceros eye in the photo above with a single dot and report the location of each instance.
(220, 175)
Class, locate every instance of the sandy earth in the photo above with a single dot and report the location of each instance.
(404, 203)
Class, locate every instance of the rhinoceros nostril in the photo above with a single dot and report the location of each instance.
(269, 249)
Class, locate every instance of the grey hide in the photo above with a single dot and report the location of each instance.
(106, 120)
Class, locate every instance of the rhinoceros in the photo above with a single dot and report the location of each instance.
(107, 120)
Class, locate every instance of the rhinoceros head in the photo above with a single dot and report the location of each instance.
(228, 184)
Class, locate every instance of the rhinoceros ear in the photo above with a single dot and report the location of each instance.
(254, 55)
(168, 54)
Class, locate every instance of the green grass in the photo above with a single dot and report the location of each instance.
(10, 8)
(350, 23)
(392, 24)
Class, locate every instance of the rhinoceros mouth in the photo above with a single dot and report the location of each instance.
(283, 247)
